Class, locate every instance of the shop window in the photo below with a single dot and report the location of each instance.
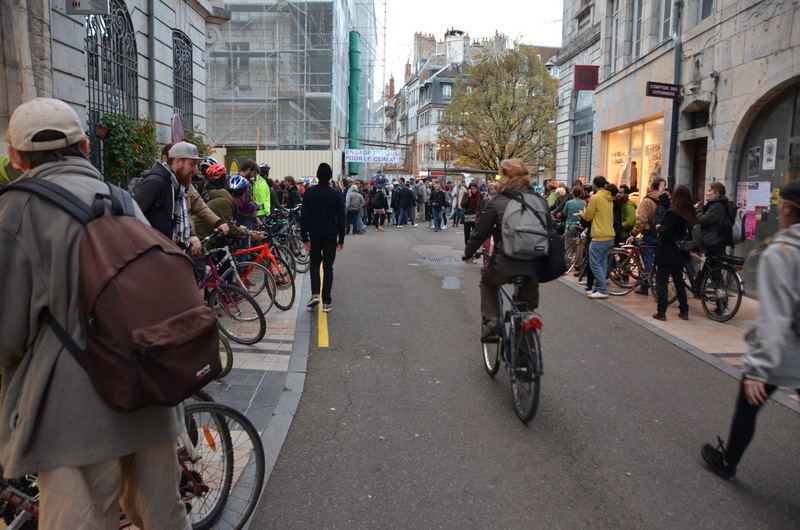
(641, 143)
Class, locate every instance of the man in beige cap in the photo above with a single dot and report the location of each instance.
(89, 458)
(161, 195)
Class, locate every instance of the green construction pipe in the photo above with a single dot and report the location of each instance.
(354, 125)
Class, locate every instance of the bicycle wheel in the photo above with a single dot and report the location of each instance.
(226, 354)
(571, 255)
(672, 294)
(256, 279)
(282, 251)
(224, 484)
(284, 283)
(624, 272)
(491, 356)
(302, 256)
(526, 373)
(721, 293)
(238, 315)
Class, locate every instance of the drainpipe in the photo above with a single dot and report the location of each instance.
(676, 103)
(151, 59)
(354, 127)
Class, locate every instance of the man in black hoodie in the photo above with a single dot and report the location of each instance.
(322, 226)
(716, 220)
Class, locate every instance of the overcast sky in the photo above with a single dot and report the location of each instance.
(531, 22)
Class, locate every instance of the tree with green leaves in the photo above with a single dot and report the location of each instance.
(503, 108)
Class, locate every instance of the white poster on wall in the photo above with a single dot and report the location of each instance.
(770, 149)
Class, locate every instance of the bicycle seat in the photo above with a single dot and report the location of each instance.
(520, 279)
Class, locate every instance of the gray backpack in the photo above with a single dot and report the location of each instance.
(524, 228)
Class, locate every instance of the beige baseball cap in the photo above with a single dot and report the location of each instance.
(43, 114)
(184, 150)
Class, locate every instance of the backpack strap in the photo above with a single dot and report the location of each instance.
(56, 194)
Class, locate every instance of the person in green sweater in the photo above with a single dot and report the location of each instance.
(261, 190)
(628, 211)
(600, 212)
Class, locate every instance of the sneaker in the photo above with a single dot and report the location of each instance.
(660, 316)
(414, 225)
(597, 295)
(444, 227)
(314, 301)
(714, 457)
(683, 316)
(642, 291)
(581, 282)
(327, 308)
(399, 226)
(491, 332)
(435, 229)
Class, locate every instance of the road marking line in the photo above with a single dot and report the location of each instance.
(322, 319)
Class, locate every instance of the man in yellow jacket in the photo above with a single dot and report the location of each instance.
(600, 212)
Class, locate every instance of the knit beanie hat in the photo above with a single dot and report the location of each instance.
(791, 192)
(324, 172)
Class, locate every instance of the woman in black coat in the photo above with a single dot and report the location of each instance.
(669, 259)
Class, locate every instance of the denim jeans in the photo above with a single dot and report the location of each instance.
(648, 254)
(598, 261)
(439, 217)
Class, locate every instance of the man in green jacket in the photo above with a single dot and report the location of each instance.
(261, 191)
(600, 211)
(628, 211)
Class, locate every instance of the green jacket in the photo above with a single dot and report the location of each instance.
(628, 218)
(261, 195)
(222, 203)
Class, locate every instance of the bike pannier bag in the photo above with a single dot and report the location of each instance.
(524, 228)
(150, 340)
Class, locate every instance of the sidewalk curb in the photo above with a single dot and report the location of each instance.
(274, 434)
(781, 396)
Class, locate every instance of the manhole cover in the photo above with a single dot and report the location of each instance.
(441, 260)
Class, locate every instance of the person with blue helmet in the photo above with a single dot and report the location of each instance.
(222, 201)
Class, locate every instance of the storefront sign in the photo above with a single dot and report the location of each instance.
(586, 77)
(584, 121)
(663, 90)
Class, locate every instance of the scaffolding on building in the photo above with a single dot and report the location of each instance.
(278, 73)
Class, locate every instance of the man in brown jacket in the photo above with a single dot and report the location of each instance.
(644, 215)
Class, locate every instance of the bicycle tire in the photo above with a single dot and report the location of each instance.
(239, 316)
(302, 256)
(571, 252)
(233, 456)
(281, 250)
(284, 283)
(526, 374)
(720, 283)
(624, 272)
(256, 279)
(672, 294)
(492, 352)
(226, 355)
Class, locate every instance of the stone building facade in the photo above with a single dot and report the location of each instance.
(144, 57)
(736, 121)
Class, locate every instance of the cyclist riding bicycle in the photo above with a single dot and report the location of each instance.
(514, 177)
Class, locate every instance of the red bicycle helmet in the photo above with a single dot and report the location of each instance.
(217, 171)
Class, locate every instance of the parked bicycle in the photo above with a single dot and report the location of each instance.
(261, 256)
(223, 470)
(520, 349)
(239, 316)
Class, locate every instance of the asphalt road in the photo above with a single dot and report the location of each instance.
(399, 426)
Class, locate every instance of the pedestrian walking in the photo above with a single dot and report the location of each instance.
(322, 227)
(773, 358)
(90, 459)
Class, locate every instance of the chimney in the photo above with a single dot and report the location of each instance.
(391, 88)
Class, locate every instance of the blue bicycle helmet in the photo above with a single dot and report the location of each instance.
(237, 182)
